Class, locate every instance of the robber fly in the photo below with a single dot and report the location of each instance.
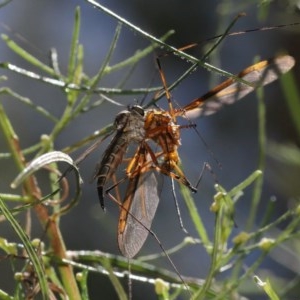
(129, 126)
(140, 126)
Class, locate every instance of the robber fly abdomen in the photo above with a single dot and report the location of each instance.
(130, 128)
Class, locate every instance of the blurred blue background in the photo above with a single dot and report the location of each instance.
(231, 134)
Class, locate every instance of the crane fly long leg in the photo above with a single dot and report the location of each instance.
(230, 91)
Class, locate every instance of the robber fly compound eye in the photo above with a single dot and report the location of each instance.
(138, 109)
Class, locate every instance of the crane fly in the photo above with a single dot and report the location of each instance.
(141, 126)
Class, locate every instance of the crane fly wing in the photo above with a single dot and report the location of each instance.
(229, 91)
(137, 212)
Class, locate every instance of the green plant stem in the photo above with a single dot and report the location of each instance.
(72, 86)
(27, 56)
(74, 45)
(201, 294)
(261, 160)
(36, 261)
(235, 284)
(193, 211)
(5, 296)
(291, 92)
(32, 191)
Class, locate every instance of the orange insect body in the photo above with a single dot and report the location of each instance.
(161, 127)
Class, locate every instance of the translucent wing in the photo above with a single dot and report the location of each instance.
(230, 91)
(137, 213)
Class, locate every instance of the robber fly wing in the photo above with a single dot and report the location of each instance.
(230, 91)
(137, 213)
